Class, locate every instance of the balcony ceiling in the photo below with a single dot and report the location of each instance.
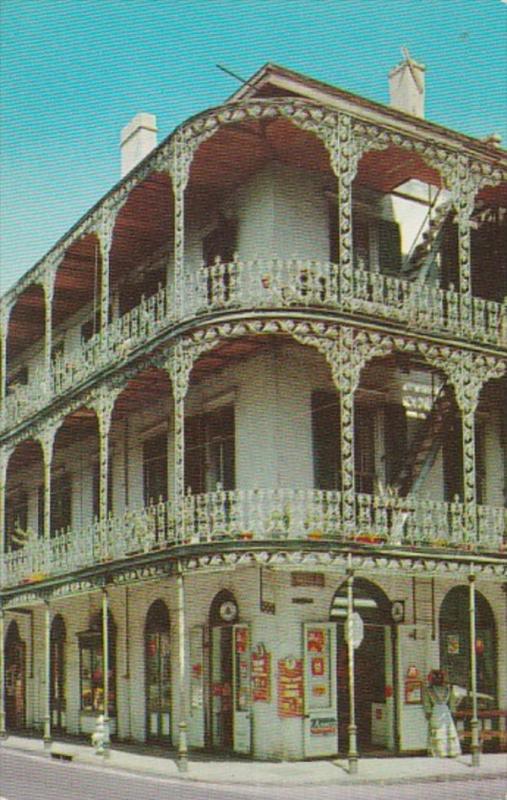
(26, 321)
(77, 280)
(143, 224)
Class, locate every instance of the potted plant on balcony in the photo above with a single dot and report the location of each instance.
(370, 537)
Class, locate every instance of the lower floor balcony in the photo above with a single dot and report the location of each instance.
(263, 516)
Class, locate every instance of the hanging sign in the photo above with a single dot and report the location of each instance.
(261, 675)
(290, 687)
(357, 629)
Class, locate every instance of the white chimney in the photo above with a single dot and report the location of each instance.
(406, 86)
(137, 139)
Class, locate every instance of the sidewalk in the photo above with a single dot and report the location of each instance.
(218, 770)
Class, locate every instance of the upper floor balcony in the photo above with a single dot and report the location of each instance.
(267, 285)
(261, 518)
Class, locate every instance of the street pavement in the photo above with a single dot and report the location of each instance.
(75, 772)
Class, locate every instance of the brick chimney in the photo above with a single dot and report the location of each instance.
(406, 86)
(137, 139)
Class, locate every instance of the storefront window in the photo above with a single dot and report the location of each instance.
(92, 668)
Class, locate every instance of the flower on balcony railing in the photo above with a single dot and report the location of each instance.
(35, 577)
(370, 537)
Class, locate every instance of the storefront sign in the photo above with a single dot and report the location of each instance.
(261, 675)
(290, 687)
(307, 579)
(323, 727)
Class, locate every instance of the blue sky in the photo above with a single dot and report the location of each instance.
(74, 72)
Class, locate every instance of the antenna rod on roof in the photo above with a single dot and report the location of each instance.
(233, 75)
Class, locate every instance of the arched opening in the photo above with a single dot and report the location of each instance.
(222, 618)
(488, 234)
(91, 655)
(141, 421)
(157, 650)
(76, 300)
(57, 676)
(25, 344)
(235, 251)
(491, 449)
(142, 248)
(374, 688)
(408, 445)
(15, 679)
(23, 515)
(75, 471)
(403, 221)
(454, 641)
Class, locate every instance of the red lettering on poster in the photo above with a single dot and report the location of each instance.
(241, 640)
(261, 675)
(290, 687)
(318, 666)
(316, 640)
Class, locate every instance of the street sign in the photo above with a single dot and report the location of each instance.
(357, 629)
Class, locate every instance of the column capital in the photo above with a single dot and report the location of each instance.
(102, 402)
(468, 373)
(46, 436)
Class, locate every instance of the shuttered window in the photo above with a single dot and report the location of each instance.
(326, 441)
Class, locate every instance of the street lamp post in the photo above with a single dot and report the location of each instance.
(353, 755)
(474, 724)
(105, 670)
(47, 677)
(182, 741)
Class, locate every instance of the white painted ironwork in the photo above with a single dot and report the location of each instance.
(266, 515)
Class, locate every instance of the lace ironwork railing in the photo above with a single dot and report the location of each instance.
(267, 515)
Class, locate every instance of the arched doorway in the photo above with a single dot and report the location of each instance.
(373, 668)
(454, 627)
(157, 653)
(230, 701)
(15, 678)
(57, 698)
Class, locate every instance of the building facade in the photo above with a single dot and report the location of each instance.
(253, 436)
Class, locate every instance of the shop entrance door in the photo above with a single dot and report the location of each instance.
(230, 688)
(320, 707)
(15, 679)
(373, 677)
(158, 672)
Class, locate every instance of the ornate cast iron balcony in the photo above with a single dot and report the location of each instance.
(261, 515)
(267, 284)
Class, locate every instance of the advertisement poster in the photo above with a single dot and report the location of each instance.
(261, 675)
(290, 687)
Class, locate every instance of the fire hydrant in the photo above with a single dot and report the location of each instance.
(100, 736)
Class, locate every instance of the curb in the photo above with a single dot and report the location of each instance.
(342, 779)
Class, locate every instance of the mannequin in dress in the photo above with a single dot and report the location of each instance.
(439, 701)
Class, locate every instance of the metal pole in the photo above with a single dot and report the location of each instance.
(47, 677)
(182, 725)
(474, 725)
(105, 668)
(353, 755)
(2, 675)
